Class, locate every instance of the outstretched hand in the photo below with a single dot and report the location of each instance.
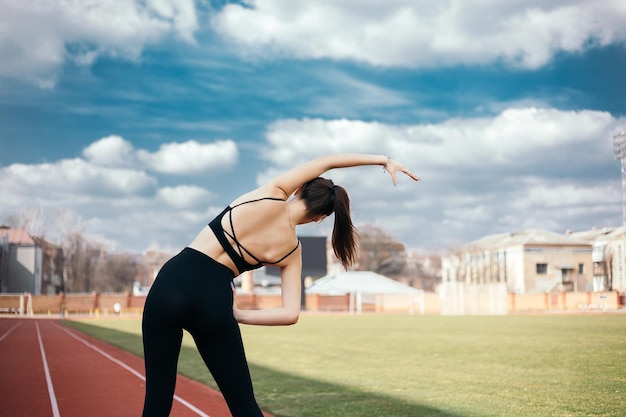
(392, 167)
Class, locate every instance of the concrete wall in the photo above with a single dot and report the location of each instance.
(557, 259)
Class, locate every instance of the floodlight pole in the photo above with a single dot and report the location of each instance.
(619, 151)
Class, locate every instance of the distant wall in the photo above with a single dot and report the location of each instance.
(565, 301)
(92, 304)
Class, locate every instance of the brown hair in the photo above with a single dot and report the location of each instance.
(322, 197)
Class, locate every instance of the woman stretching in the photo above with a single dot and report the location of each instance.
(194, 290)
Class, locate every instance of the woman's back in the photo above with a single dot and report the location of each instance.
(256, 229)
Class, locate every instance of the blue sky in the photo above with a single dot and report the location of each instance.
(137, 121)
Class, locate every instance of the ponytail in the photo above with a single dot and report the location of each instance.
(322, 197)
(344, 233)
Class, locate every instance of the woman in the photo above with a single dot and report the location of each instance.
(193, 290)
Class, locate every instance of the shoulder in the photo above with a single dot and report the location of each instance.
(266, 191)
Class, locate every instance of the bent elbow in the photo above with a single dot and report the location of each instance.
(291, 319)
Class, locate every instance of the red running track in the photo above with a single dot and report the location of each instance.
(49, 370)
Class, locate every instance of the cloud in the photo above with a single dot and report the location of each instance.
(518, 136)
(110, 151)
(522, 168)
(189, 157)
(184, 196)
(351, 95)
(117, 188)
(422, 33)
(37, 37)
(554, 194)
(73, 177)
(525, 167)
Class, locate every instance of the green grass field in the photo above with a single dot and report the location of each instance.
(431, 366)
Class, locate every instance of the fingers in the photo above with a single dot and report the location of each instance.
(411, 175)
(401, 168)
(406, 172)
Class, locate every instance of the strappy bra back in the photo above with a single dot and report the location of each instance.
(236, 251)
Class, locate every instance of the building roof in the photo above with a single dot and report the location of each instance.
(593, 234)
(531, 237)
(617, 233)
(359, 281)
(17, 236)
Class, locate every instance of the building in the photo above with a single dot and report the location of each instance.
(609, 259)
(314, 260)
(532, 261)
(20, 262)
(29, 264)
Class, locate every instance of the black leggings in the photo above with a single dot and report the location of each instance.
(192, 292)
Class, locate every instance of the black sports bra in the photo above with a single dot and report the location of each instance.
(237, 255)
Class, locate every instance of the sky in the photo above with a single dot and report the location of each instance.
(136, 121)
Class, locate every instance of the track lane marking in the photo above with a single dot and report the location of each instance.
(128, 368)
(9, 331)
(53, 398)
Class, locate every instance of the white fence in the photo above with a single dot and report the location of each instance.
(458, 298)
(411, 303)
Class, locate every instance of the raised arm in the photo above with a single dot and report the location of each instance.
(291, 269)
(291, 180)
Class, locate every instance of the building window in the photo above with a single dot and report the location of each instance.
(542, 269)
(581, 268)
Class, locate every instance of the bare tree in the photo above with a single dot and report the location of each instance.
(115, 272)
(80, 262)
(31, 219)
(379, 252)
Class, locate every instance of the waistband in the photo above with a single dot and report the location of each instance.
(203, 258)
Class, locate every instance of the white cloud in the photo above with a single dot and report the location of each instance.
(423, 33)
(555, 194)
(73, 176)
(117, 189)
(509, 138)
(184, 196)
(191, 157)
(111, 150)
(525, 167)
(38, 36)
(354, 95)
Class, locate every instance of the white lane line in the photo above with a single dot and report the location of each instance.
(9, 331)
(53, 398)
(129, 369)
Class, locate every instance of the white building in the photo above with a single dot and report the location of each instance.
(527, 262)
(608, 256)
(540, 261)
